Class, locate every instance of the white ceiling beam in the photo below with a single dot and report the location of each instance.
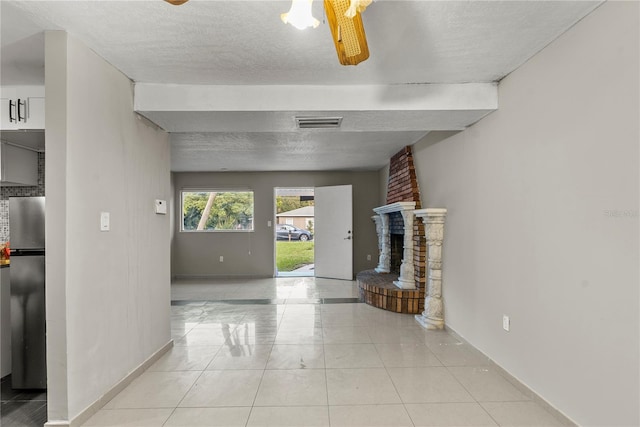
(402, 97)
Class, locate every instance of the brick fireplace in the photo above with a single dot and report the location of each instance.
(408, 278)
(399, 289)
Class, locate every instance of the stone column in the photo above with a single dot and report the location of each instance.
(407, 278)
(433, 315)
(384, 243)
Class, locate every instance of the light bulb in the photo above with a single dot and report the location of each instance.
(300, 15)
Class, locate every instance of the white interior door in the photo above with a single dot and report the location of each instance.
(333, 232)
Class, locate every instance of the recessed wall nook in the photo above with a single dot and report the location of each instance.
(416, 286)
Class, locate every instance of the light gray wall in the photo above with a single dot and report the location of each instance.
(384, 182)
(56, 223)
(252, 253)
(171, 208)
(542, 223)
(108, 293)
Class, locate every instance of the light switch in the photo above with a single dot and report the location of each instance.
(104, 221)
(161, 207)
(268, 223)
(506, 323)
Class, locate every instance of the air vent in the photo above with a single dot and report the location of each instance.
(318, 122)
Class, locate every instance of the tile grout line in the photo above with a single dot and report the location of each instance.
(476, 401)
(395, 387)
(195, 382)
(253, 404)
(324, 359)
(255, 397)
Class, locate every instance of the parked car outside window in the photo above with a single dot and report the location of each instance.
(289, 232)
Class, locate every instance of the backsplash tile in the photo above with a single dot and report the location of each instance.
(4, 220)
(9, 191)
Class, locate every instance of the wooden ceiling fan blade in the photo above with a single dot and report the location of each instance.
(348, 33)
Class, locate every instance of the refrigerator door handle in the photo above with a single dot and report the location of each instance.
(26, 252)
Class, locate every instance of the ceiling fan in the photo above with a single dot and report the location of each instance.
(347, 29)
(345, 22)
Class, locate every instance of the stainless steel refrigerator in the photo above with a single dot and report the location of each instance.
(28, 342)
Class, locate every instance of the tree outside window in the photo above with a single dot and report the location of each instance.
(217, 210)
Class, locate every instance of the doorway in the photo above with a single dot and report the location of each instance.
(294, 232)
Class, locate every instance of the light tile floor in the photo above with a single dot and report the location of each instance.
(292, 352)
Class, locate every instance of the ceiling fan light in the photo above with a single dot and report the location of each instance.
(356, 6)
(300, 15)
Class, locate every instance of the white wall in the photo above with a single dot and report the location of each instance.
(252, 254)
(543, 221)
(108, 293)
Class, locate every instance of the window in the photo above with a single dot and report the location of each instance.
(222, 210)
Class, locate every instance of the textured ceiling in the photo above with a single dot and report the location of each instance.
(245, 43)
(304, 150)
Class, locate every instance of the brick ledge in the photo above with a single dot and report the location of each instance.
(378, 290)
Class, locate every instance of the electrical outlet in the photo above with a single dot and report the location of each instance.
(221, 258)
(369, 257)
(506, 323)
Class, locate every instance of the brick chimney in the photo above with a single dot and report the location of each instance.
(403, 184)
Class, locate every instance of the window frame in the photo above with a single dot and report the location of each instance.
(182, 191)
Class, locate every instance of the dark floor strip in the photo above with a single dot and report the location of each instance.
(23, 408)
(269, 301)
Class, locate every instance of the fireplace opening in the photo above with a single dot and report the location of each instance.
(397, 251)
(396, 232)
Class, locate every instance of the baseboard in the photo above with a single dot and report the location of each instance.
(90, 410)
(522, 387)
